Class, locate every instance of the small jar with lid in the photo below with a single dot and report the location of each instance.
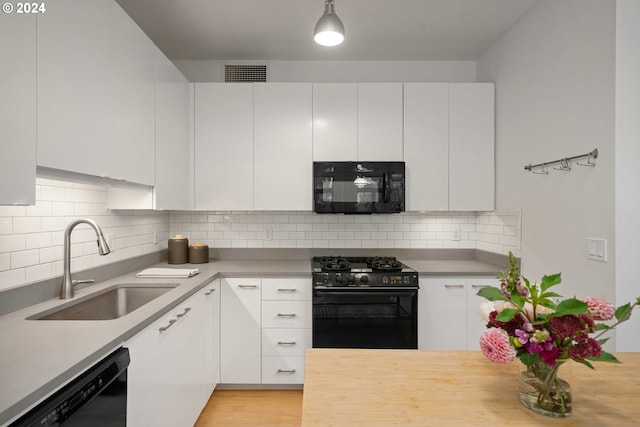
(198, 253)
(178, 249)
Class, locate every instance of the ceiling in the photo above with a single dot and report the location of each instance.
(282, 29)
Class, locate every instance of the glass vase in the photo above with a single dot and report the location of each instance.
(543, 392)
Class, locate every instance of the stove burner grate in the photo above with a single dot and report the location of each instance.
(384, 264)
(334, 264)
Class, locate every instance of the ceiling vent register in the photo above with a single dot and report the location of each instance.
(245, 73)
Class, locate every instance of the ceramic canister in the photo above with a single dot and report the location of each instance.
(198, 253)
(178, 250)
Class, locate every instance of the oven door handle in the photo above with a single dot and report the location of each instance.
(383, 293)
(385, 183)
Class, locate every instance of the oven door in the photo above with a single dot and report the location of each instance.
(365, 318)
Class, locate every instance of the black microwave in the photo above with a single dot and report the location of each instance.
(358, 187)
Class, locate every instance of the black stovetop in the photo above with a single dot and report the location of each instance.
(338, 271)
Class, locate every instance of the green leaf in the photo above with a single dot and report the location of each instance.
(585, 363)
(571, 306)
(623, 312)
(492, 294)
(602, 327)
(506, 315)
(547, 295)
(548, 281)
(517, 298)
(605, 357)
(529, 359)
(602, 341)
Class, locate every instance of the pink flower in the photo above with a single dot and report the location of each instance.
(495, 345)
(600, 308)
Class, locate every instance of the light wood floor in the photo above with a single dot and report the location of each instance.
(244, 408)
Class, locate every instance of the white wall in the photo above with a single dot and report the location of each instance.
(32, 237)
(554, 76)
(340, 71)
(627, 173)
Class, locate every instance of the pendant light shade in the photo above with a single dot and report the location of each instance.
(329, 30)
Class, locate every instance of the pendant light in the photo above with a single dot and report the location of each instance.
(329, 30)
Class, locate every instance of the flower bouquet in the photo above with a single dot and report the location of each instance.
(528, 321)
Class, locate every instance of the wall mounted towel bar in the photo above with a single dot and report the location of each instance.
(540, 168)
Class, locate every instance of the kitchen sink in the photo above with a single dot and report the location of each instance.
(110, 303)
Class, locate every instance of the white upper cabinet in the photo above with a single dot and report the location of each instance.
(173, 145)
(335, 122)
(471, 147)
(282, 149)
(18, 110)
(134, 71)
(96, 95)
(380, 122)
(426, 146)
(224, 158)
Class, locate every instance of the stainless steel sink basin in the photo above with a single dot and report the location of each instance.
(111, 303)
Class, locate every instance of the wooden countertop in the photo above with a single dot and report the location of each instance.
(354, 387)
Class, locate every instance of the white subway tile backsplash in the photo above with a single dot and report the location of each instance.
(27, 225)
(5, 262)
(37, 240)
(24, 258)
(11, 278)
(6, 226)
(12, 243)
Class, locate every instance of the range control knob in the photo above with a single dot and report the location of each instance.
(364, 279)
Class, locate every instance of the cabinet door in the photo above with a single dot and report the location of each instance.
(380, 122)
(224, 157)
(283, 166)
(211, 337)
(18, 110)
(471, 147)
(131, 153)
(426, 145)
(475, 324)
(240, 356)
(75, 87)
(166, 370)
(442, 314)
(335, 122)
(173, 147)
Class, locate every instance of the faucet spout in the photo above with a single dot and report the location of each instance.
(66, 288)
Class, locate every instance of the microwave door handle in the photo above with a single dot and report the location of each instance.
(385, 186)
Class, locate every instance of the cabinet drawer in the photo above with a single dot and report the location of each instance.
(282, 369)
(285, 342)
(286, 314)
(298, 288)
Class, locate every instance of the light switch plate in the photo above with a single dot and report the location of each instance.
(597, 249)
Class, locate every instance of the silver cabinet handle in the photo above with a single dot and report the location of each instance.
(164, 328)
(479, 286)
(453, 286)
(248, 286)
(286, 343)
(184, 313)
(209, 292)
(286, 371)
(286, 289)
(286, 315)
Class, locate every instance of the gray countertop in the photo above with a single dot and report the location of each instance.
(39, 356)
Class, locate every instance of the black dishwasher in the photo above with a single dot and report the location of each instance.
(96, 398)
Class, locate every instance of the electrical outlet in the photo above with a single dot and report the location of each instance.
(268, 233)
(455, 234)
(597, 249)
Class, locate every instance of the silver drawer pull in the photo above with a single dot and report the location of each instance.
(286, 371)
(453, 286)
(286, 315)
(286, 343)
(248, 286)
(209, 292)
(164, 328)
(479, 286)
(184, 313)
(286, 289)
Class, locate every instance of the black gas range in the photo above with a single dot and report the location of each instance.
(364, 302)
(362, 272)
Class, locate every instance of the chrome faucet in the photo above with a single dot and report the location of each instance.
(66, 288)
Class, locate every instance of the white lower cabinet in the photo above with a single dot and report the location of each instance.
(211, 341)
(286, 329)
(240, 331)
(448, 315)
(165, 377)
